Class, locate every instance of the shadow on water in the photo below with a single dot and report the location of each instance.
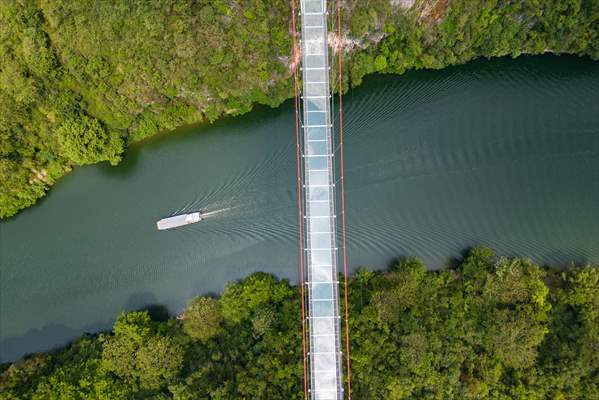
(556, 257)
(260, 113)
(146, 301)
(54, 336)
(46, 338)
(125, 168)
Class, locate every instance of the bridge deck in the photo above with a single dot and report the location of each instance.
(319, 196)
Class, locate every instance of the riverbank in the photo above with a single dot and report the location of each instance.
(82, 81)
(487, 328)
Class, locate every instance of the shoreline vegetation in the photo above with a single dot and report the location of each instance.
(488, 328)
(81, 81)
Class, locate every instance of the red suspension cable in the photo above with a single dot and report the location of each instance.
(299, 199)
(339, 51)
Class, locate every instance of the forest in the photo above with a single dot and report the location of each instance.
(82, 80)
(488, 327)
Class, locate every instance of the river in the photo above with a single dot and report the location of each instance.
(502, 153)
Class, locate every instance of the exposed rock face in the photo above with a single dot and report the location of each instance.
(433, 11)
(345, 42)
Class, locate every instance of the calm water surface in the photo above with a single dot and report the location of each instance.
(503, 153)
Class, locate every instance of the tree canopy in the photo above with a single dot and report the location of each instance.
(490, 328)
(85, 141)
(202, 318)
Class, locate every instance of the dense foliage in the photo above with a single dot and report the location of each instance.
(488, 329)
(448, 32)
(81, 80)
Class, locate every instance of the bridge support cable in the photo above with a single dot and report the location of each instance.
(342, 177)
(299, 199)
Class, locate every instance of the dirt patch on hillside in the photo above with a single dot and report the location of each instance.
(434, 12)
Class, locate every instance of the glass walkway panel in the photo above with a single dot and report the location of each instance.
(326, 382)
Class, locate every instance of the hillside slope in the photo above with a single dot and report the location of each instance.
(80, 81)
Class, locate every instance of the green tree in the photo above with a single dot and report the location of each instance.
(263, 322)
(202, 318)
(140, 356)
(239, 300)
(119, 352)
(158, 362)
(85, 141)
(380, 63)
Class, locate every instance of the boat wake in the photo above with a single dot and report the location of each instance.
(216, 212)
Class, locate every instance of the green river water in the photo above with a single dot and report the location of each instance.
(502, 153)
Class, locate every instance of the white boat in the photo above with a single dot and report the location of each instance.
(178, 220)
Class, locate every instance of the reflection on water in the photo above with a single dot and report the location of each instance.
(503, 153)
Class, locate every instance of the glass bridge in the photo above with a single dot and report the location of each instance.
(326, 379)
